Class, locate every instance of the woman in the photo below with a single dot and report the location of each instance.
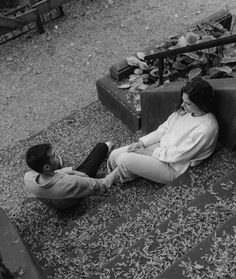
(186, 138)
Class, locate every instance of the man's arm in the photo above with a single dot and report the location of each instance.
(79, 187)
(70, 171)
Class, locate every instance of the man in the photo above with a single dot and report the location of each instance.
(64, 187)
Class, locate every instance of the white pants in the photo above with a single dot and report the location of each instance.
(129, 165)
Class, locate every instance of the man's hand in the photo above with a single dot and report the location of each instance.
(100, 189)
(135, 146)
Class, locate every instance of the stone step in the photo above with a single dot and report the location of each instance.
(214, 257)
(124, 231)
(41, 227)
(129, 228)
(160, 248)
(71, 238)
(14, 252)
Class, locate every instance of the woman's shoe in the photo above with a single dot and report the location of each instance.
(110, 146)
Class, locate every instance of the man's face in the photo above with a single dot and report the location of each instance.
(54, 160)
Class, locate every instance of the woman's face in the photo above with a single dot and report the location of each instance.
(190, 107)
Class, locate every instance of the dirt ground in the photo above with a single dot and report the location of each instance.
(47, 77)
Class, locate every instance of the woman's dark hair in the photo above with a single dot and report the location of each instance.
(37, 156)
(200, 92)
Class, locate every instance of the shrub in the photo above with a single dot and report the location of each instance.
(4, 4)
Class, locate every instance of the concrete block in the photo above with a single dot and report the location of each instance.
(115, 100)
(14, 252)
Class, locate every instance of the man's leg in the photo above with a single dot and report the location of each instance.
(94, 160)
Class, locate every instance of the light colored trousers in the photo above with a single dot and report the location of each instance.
(128, 165)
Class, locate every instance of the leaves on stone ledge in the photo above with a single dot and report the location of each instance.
(209, 63)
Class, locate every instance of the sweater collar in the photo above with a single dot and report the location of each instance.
(51, 182)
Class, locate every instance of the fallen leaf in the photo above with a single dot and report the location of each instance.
(154, 72)
(133, 77)
(133, 61)
(206, 38)
(179, 66)
(194, 73)
(191, 38)
(225, 69)
(192, 55)
(182, 42)
(226, 60)
(141, 55)
(143, 86)
(133, 89)
(166, 73)
(124, 86)
(9, 59)
(173, 47)
(138, 71)
(143, 65)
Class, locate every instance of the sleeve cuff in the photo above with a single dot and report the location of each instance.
(143, 141)
(156, 153)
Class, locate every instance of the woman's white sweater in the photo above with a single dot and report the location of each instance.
(184, 140)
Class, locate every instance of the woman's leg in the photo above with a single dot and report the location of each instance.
(131, 165)
(94, 160)
(112, 160)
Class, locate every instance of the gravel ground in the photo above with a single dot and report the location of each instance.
(47, 77)
(41, 227)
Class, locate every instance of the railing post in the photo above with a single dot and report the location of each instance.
(39, 25)
(61, 11)
(161, 69)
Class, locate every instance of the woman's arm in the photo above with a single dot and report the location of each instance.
(156, 135)
(188, 148)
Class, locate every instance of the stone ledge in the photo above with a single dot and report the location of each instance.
(114, 99)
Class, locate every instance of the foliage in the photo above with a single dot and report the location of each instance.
(216, 62)
(5, 4)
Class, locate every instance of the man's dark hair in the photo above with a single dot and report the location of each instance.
(37, 156)
(200, 92)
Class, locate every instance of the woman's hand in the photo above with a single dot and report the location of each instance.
(135, 146)
(144, 151)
